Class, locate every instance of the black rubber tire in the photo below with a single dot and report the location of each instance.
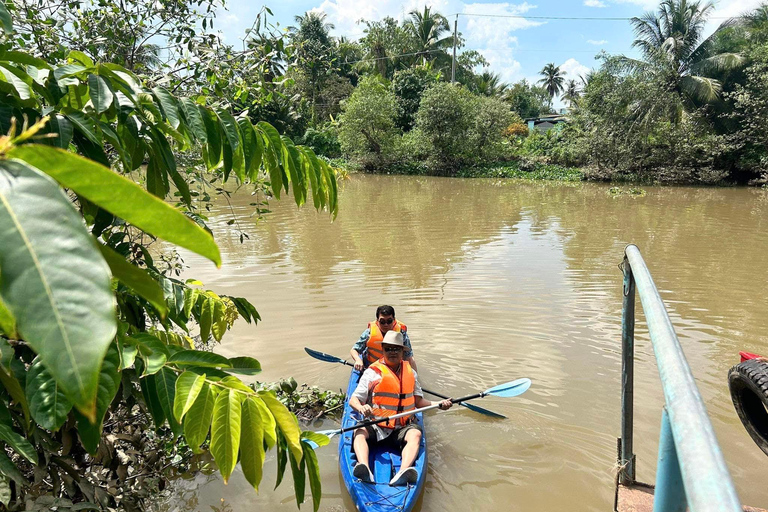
(748, 382)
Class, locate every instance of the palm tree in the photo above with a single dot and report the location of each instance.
(428, 29)
(571, 94)
(490, 84)
(553, 80)
(674, 52)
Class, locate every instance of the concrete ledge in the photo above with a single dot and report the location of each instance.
(639, 498)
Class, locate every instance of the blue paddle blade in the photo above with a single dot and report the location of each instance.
(510, 389)
(322, 356)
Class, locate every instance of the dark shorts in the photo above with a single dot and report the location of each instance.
(397, 437)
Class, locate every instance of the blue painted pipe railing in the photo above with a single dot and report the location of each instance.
(691, 471)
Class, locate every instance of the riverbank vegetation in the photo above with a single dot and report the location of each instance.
(690, 110)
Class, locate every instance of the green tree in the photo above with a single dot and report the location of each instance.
(428, 29)
(526, 99)
(552, 80)
(445, 117)
(408, 86)
(313, 53)
(571, 92)
(489, 84)
(367, 130)
(676, 53)
(91, 324)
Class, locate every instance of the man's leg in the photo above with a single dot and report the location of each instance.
(360, 444)
(411, 448)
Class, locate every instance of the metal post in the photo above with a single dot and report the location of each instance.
(455, 42)
(670, 491)
(627, 463)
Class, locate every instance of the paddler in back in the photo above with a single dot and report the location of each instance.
(389, 386)
(368, 349)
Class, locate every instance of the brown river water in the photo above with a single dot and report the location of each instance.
(496, 280)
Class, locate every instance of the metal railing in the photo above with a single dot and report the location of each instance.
(690, 471)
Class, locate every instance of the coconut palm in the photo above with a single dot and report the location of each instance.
(553, 80)
(489, 84)
(428, 29)
(571, 92)
(675, 51)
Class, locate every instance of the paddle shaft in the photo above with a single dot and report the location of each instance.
(408, 413)
(423, 388)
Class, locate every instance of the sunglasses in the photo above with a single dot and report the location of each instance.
(386, 321)
(392, 348)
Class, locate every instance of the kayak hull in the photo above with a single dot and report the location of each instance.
(384, 462)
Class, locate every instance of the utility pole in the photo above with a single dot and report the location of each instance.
(455, 41)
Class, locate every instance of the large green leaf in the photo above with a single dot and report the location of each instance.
(252, 443)
(168, 105)
(286, 421)
(54, 281)
(14, 440)
(244, 365)
(273, 148)
(9, 469)
(188, 387)
(101, 93)
(47, 403)
(135, 278)
(194, 120)
(109, 382)
(211, 152)
(199, 358)
(225, 431)
(152, 351)
(165, 381)
(234, 141)
(7, 322)
(121, 197)
(61, 127)
(299, 478)
(11, 74)
(5, 20)
(268, 422)
(198, 419)
(206, 318)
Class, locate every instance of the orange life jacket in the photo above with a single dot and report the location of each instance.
(373, 347)
(393, 395)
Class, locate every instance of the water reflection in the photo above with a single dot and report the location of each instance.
(496, 280)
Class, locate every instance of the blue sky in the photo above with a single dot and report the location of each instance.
(516, 48)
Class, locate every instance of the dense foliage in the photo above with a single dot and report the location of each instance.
(95, 326)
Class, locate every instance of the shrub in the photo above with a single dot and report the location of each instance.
(324, 140)
(492, 116)
(409, 85)
(516, 130)
(367, 130)
(446, 115)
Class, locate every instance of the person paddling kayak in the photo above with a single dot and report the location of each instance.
(368, 350)
(389, 386)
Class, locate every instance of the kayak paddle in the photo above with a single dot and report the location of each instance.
(507, 390)
(333, 359)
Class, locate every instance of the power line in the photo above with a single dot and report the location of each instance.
(561, 18)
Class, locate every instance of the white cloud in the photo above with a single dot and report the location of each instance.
(594, 3)
(596, 43)
(729, 9)
(573, 69)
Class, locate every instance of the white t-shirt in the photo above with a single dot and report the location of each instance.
(364, 393)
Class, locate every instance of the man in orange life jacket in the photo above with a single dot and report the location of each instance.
(389, 386)
(368, 350)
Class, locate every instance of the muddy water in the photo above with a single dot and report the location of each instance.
(498, 280)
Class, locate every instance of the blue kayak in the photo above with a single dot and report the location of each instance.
(384, 462)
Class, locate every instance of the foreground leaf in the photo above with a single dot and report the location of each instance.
(287, 423)
(198, 419)
(47, 403)
(109, 382)
(188, 387)
(225, 431)
(120, 197)
(252, 443)
(135, 278)
(313, 472)
(165, 381)
(54, 281)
